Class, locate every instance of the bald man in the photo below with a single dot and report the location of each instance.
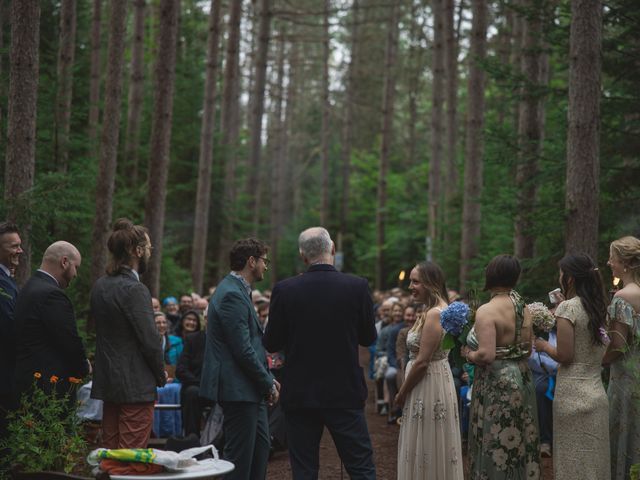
(47, 335)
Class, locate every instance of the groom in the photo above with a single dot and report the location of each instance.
(318, 319)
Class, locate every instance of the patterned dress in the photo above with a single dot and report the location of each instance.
(429, 446)
(504, 424)
(624, 395)
(580, 407)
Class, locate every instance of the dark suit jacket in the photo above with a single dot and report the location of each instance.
(235, 363)
(129, 358)
(189, 366)
(318, 319)
(46, 335)
(8, 294)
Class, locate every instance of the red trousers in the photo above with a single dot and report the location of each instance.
(126, 425)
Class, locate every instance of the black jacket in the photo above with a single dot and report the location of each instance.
(129, 358)
(47, 335)
(319, 318)
(189, 366)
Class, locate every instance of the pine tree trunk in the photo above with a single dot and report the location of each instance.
(347, 127)
(203, 195)
(228, 117)
(257, 108)
(94, 75)
(436, 121)
(277, 168)
(24, 18)
(160, 142)
(583, 138)
(105, 184)
(289, 134)
(136, 92)
(414, 83)
(324, 209)
(475, 144)
(387, 132)
(66, 54)
(529, 130)
(451, 75)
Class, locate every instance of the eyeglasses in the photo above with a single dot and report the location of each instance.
(265, 260)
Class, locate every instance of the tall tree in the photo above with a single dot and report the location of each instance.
(66, 55)
(229, 116)
(451, 86)
(324, 147)
(94, 75)
(437, 89)
(160, 143)
(257, 108)
(530, 128)
(21, 121)
(414, 82)
(583, 138)
(387, 133)
(136, 91)
(109, 141)
(205, 162)
(475, 143)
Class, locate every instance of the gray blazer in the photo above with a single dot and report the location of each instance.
(129, 362)
(235, 363)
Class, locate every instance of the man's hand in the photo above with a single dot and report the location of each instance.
(274, 396)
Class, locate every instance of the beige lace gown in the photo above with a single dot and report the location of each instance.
(580, 406)
(429, 446)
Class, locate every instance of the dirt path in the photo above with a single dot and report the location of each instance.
(385, 446)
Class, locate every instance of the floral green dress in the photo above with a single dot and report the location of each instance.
(504, 419)
(624, 395)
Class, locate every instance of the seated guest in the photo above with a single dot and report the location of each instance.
(170, 305)
(171, 345)
(189, 323)
(262, 307)
(186, 304)
(400, 316)
(188, 373)
(155, 303)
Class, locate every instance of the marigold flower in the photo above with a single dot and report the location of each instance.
(54, 379)
(37, 375)
(75, 380)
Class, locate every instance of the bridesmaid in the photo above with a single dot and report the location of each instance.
(624, 356)
(429, 445)
(580, 407)
(503, 440)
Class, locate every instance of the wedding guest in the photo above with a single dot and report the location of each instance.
(580, 406)
(624, 356)
(170, 305)
(504, 426)
(429, 445)
(188, 371)
(544, 369)
(399, 314)
(189, 323)
(171, 345)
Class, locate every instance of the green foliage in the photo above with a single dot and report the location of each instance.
(44, 432)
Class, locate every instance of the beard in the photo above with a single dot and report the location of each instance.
(143, 263)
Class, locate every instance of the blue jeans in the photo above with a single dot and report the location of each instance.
(348, 428)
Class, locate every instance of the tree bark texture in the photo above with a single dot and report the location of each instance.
(530, 132)
(451, 75)
(24, 17)
(136, 92)
(277, 167)
(257, 110)
(475, 144)
(324, 209)
(160, 143)
(290, 132)
(66, 55)
(109, 141)
(205, 161)
(387, 133)
(583, 138)
(94, 75)
(437, 89)
(414, 83)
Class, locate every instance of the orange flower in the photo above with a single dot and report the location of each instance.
(29, 423)
(54, 379)
(75, 380)
(37, 375)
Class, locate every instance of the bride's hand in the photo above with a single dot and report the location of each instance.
(399, 400)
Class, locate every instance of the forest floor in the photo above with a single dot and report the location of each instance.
(385, 447)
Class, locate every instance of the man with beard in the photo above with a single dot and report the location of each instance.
(10, 251)
(235, 372)
(129, 362)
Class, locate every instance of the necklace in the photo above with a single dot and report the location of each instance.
(495, 294)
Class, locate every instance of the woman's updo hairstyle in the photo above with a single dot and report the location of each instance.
(627, 250)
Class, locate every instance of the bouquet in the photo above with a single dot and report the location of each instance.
(543, 319)
(456, 320)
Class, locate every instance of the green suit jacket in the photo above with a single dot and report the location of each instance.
(235, 366)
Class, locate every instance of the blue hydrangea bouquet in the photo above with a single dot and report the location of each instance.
(456, 320)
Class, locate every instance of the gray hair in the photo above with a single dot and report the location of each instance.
(315, 243)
